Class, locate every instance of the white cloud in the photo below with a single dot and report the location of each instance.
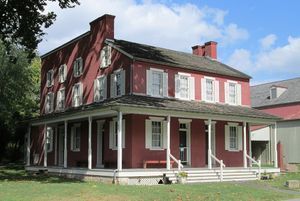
(268, 41)
(175, 26)
(277, 61)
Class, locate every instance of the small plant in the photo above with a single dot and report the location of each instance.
(181, 177)
(182, 174)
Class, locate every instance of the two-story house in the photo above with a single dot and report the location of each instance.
(111, 106)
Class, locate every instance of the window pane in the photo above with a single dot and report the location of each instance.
(233, 137)
(156, 134)
(184, 87)
(232, 93)
(209, 90)
(118, 84)
(157, 83)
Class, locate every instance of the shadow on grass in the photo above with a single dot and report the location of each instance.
(17, 173)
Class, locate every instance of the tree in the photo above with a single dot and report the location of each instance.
(22, 22)
(19, 95)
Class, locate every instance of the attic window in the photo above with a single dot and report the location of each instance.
(276, 91)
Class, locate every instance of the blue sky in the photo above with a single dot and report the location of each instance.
(260, 38)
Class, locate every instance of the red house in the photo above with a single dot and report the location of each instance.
(132, 113)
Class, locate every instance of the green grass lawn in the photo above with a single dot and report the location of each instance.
(15, 184)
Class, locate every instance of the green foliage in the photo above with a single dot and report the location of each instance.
(19, 95)
(22, 22)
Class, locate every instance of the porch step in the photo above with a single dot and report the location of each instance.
(199, 176)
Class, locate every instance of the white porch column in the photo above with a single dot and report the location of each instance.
(168, 143)
(65, 145)
(45, 145)
(90, 144)
(209, 145)
(245, 144)
(275, 146)
(250, 145)
(120, 117)
(28, 146)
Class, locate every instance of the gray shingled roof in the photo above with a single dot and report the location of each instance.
(171, 104)
(175, 58)
(260, 94)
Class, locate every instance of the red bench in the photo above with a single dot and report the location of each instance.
(148, 162)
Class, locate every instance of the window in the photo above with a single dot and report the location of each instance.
(113, 134)
(100, 85)
(75, 137)
(50, 80)
(77, 95)
(49, 139)
(210, 89)
(60, 103)
(156, 133)
(78, 66)
(273, 93)
(105, 56)
(62, 71)
(157, 83)
(184, 86)
(49, 103)
(233, 137)
(117, 87)
(232, 93)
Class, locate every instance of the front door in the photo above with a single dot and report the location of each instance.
(100, 141)
(61, 145)
(184, 147)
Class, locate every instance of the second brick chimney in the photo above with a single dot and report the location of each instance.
(209, 49)
(104, 26)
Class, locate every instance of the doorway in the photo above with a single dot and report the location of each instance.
(184, 143)
(100, 143)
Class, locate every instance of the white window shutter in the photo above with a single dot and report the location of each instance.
(102, 58)
(217, 91)
(123, 82)
(148, 134)
(203, 89)
(164, 134)
(73, 98)
(104, 87)
(112, 86)
(177, 86)
(75, 66)
(149, 82)
(192, 88)
(96, 90)
(65, 70)
(109, 55)
(80, 65)
(80, 94)
(51, 102)
(239, 94)
(52, 77)
(240, 137)
(227, 137)
(123, 133)
(111, 134)
(226, 85)
(165, 85)
(47, 104)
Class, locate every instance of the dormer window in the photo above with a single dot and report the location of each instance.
(77, 67)
(105, 56)
(276, 91)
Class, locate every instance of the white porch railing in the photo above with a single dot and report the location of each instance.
(222, 165)
(258, 163)
(179, 165)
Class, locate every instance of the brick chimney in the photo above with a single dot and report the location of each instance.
(104, 26)
(209, 49)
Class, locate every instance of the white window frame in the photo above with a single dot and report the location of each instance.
(105, 56)
(50, 78)
(271, 94)
(149, 133)
(75, 135)
(61, 99)
(100, 85)
(239, 137)
(236, 140)
(238, 93)
(62, 73)
(114, 82)
(79, 95)
(49, 103)
(113, 134)
(78, 67)
(215, 89)
(49, 139)
(190, 86)
(163, 91)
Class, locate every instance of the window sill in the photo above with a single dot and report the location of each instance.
(75, 150)
(234, 150)
(156, 149)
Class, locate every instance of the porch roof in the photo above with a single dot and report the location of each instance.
(138, 103)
